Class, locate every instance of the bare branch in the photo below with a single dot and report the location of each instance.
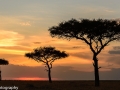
(82, 38)
(100, 41)
(90, 45)
(105, 44)
(96, 46)
(51, 63)
(99, 67)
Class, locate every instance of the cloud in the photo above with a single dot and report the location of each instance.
(116, 50)
(109, 11)
(110, 75)
(25, 24)
(114, 56)
(59, 72)
(10, 55)
(14, 71)
(76, 47)
(116, 47)
(93, 9)
(68, 73)
(114, 59)
(37, 42)
(17, 48)
(84, 55)
(9, 38)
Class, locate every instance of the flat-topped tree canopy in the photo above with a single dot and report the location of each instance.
(97, 31)
(3, 62)
(94, 29)
(46, 54)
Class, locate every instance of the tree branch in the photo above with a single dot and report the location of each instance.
(38, 59)
(90, 44)
(97, 46)
(52, 62)
(83, 39)
(102, 47)
(100, 41)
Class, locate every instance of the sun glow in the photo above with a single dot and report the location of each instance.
(9, 38)
(30, 78)
(18, 52)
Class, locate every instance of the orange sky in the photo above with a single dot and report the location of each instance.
(24, 26)
(13, 49)
(80, 55)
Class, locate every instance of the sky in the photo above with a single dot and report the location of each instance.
(24, 26)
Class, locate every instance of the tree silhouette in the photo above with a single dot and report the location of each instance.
(3, 62)
(47, 55)
(96, 33)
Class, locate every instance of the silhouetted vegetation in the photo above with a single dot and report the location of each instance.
(96, 33)
(3, 62)
(47, 55)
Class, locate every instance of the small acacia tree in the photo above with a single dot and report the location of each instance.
(3, 62)
(47, 55)
(96, 33)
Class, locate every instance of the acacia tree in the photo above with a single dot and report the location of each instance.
(96, 33)
(3, 62)
(47, 55)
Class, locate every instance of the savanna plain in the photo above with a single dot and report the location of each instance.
(62, 85)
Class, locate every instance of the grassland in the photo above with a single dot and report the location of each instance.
(61, 85)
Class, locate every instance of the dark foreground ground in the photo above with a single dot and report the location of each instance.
(60, 85)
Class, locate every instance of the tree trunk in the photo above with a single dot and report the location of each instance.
(49, 75)
(0, 76)
(96, 71)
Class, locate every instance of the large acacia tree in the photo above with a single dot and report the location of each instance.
(96, 33)
(3, 62)
(47, 55)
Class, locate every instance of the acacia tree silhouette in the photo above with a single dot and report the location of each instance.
(96, 33)
(3, 62)
(47, 55)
